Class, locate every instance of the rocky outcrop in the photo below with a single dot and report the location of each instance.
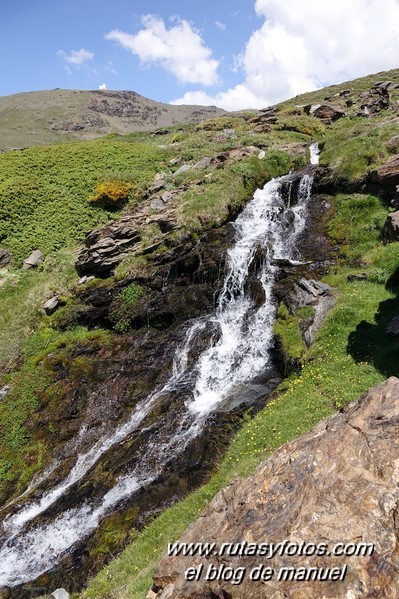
(390, 231)
(374, 100)
(264, 119)
(337, 484)
(327, 113)
(387, 175)
(106, 247)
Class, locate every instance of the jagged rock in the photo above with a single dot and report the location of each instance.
(387, 175)
(52, 305)
(4, 391)
(264, 119)
(327, 113)
(5, 257)
(33, 260)
(107, 246)
(335, 484)
(374, 100)
(392, 327)
(391, 227)
(175, 160)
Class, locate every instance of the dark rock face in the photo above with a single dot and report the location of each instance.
(387, 175)
(5, 257)
(374, 100)
(391, 228)
(335, 484)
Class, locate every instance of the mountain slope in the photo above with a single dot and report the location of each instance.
(43, 117)
(158, 264)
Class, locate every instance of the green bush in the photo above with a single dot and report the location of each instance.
(123, 307)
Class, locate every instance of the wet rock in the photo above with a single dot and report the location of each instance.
(392, 327)
(5, 257)
(327, 113)
(337, 483)
(4, 391)
(52, 305)
(390, 231)
(33, 260)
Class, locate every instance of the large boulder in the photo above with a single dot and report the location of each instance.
(386, 177)
(327, 113)
(327, 501)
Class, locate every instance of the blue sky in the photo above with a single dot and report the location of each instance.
(233, 53)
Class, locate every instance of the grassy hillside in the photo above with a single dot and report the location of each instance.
(59, 115)
(44, 204)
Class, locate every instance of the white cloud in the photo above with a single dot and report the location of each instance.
(102, 86)
(220, 25)
(303, 45)
(76, 57)
(180, 49)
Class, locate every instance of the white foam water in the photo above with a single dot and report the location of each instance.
(240, 353)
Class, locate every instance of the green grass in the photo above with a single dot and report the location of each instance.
(28, 290)
(44, 191)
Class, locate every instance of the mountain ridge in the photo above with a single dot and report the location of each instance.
(59, 115)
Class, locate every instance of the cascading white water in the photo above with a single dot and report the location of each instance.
(241, 352)
(314, 153)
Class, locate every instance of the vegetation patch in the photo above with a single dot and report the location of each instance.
(44, 191)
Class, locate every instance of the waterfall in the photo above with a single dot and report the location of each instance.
(238, 354)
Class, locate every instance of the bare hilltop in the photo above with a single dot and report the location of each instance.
(36, 118)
